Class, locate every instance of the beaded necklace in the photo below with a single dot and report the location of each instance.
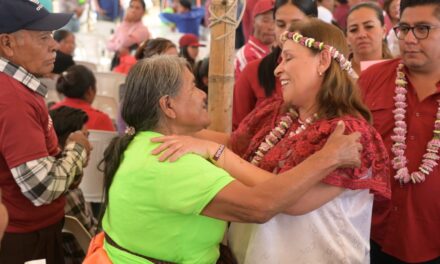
(278, 132)
(431, 157)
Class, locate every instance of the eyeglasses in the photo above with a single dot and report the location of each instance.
(419, 31)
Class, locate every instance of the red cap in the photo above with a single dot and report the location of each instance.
(262, 6)
(190, 40)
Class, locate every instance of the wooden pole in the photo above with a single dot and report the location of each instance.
(221, 66)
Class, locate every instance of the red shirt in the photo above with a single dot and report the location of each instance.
(408, 226)
(97, 119)
(248, 93)
(251, 51)
(291, 150)
(26, 134)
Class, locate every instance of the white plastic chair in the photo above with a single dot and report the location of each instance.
(73, 226)
(108, 84)
(104, 28)
(107, 104)
(92, 183)
(91, 47)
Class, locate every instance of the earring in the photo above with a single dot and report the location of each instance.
(319, 73)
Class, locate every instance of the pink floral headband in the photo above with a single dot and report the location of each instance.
(313, 44)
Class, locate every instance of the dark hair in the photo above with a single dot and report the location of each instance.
(267, 66)
(61, 34)
(141, 2)
(153, 47)
(386, 53)
(184, 54)
(147, 82)
(339, 94)
(412, 3)
(373, 6)
(185, 3)
(67, 120)
(76, 81)
(201, 70)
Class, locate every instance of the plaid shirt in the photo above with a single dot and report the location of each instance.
(77, 206)
(44, 180)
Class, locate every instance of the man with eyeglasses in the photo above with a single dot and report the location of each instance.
(404, 96)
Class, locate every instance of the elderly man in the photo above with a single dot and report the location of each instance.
(262, 38)
(404, 97)
(34, 173)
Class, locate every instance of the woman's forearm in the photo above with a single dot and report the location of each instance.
(251, 175)
(211, 135)
(270, 195)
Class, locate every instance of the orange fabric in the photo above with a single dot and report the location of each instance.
(96, 253)
(125, 64)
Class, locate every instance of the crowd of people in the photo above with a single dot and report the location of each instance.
(333, 156)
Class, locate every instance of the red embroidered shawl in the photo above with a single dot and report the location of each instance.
(290, 151)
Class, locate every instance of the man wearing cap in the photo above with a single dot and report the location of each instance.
(260, 42)
(34, 173)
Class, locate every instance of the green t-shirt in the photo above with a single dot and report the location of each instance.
(154, 207)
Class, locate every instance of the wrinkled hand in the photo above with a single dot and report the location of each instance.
(81, 138)
(174, 147)
(345, 149)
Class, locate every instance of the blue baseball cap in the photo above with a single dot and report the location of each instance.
(29, 14)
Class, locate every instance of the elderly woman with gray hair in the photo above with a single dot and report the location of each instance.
(162, 212)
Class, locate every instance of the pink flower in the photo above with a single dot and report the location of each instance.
(400, 98)
(401, 124)
(398, 138)
(402, 175)
(264, 147)
(432, 156)
(398, 152)
(400, 105)
(399, 117)
(434, 144)
(399, 111)
(430, 162)
(401, 90)
(399, 131)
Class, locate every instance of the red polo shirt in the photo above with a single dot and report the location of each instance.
(254, 49)
(97, 119)
(408, 226)
(26, 134)
(248, 93)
